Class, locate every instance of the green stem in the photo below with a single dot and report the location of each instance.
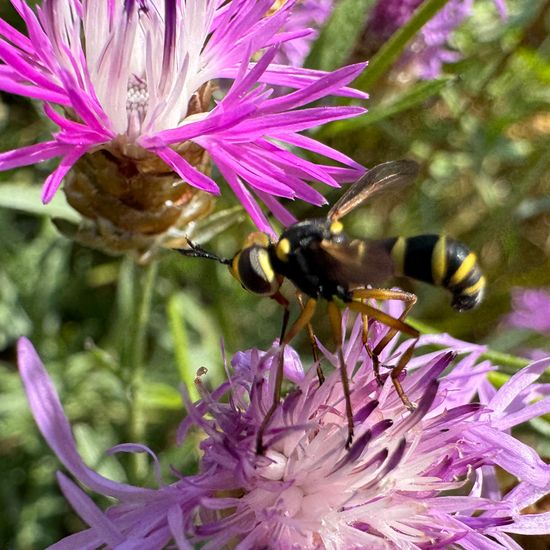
(178, 329)
(143, 293)
(392, 49)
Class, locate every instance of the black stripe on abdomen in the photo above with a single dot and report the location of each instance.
(441, 261)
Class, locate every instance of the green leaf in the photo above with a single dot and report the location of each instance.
(28, 199)
(411, 98)
(390, 52)
(338, 36)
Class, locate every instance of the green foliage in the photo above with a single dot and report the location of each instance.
(118, 355)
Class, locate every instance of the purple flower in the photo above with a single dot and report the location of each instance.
(390, 490)
(429, 51)
(307, 13)
(133, 80)
(531, 310)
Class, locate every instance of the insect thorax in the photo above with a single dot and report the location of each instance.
(298, 256)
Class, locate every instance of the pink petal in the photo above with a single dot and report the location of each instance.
(305, 142)
(177, 528)
(53, 181)
(326, 85)
(517, 383)
(54, 426)
(138, 448)
(245, 197)
(217, 121)
(294, 77)
(188, 173)
(85, 507)
(524, 415)
(512, 455)
(278, 210)
(295, 121)
(13, 86)
(530, 524)
(85, 540)
(32, 154)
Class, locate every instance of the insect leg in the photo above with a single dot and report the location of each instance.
(336, 324)
(386, 294)
(314, 348)
(282, 301)
(366, 345)
(396, 325)
(303, 319)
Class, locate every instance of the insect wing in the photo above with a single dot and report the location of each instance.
(388, 176)
(358, 262)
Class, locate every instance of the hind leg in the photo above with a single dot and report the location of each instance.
(395, 324)
(301, 322)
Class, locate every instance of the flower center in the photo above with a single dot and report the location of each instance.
(137, 101)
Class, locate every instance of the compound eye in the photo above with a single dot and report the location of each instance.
(255, 272)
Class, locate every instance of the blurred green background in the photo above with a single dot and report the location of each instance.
(481, 134)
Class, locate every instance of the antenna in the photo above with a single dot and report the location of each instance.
(197, 251)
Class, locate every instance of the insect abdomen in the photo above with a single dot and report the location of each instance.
(441, 261)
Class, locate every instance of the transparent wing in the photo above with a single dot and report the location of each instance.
(357, 262)
(389, 176)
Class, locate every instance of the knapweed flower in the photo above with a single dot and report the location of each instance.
(411, 480)
(429, 50)
(131, 85)
(531, 313)
(530, 310)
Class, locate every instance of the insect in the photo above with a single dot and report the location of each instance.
(323, 262)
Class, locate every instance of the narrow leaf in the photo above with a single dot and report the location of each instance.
(27, 198)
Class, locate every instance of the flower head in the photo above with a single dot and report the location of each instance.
(429, 50)
(132, 87)
(390, 490)
(531, 310)
(531, 314)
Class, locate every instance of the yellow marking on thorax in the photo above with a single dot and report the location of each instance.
(265, 264)
(257, 238)
(336, 227)
(475, 288)
(282, 250)
(464, 270)
(398, 255)
(439, 260)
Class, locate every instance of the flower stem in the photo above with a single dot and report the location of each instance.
(176, 320)
(143, 293)
(392, 49)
